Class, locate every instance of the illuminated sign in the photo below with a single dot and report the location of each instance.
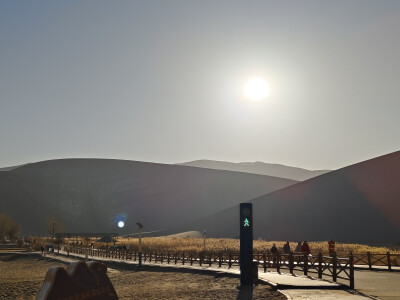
(246, 243)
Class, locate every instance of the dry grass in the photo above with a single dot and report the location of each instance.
(195, 245)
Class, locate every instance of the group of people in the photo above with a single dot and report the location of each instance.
(300, 248)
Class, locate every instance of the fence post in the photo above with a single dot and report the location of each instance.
(168, 258)
(230, 261)
(191, 258)
(369, 260)
(176, 257)
(183, 258)
(320, 265)
(351, 263)
(210, 261)
(388, 261)
(201, 258)
(220, 259)
(265, 262)
(291, 262)
(278, 262)
(334, 267)
(305, 264)
(269, 259)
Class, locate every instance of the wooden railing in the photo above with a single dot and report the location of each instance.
(372, 260)
(323, 266)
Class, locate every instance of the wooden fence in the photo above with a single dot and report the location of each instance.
(323, 266)
(372, 260)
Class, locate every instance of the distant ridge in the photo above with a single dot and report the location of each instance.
(359, 204)
(258, 167)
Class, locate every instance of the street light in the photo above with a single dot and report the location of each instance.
(140, 243)
(54, 229)
(204, 241)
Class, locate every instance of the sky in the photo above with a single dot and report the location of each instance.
(162, 81)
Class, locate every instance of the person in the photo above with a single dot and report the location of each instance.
(298, 247)
(305, 249)
(274, 252)
(331, 247)
(286, 248)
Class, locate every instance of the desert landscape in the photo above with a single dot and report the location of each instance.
(190, 144)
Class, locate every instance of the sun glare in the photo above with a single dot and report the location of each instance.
(256, 89)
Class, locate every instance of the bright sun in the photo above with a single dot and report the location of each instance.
(256, 89)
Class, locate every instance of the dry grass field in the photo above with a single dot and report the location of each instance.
(195, 245)
(21, 277)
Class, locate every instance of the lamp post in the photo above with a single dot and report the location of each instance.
(204, 241)
(52, 237)
(54, 229)
(140, 243)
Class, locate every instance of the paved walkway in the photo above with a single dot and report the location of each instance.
(293, 287)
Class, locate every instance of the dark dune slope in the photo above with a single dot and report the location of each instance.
(359, 203)
(86, 195)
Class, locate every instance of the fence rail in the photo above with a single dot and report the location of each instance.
(388, 260)
(323, 266)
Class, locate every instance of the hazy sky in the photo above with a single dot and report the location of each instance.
(162, 81)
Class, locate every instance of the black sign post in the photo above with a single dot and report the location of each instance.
(246, 244)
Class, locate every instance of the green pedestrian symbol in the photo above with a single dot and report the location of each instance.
(246, 223)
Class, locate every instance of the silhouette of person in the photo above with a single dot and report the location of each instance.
(298, 247)
(286, 248)
(274, 252)
(305, 249)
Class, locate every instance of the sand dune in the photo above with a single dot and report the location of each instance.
(88, 195)
(359, 203)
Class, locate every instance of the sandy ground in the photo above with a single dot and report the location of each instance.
(21, 277)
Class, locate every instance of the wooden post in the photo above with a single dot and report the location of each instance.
(220, 259)
(369, 260)
(183, 258)
(291, 262)
(162, 257)
(169, 258)
(210, 261)
(320, 265)
(389, 261)
(305, 264)
(265, 262)
(351, 263)
(191, 258)
(278, 262)
(334, 267)
(230, 260)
